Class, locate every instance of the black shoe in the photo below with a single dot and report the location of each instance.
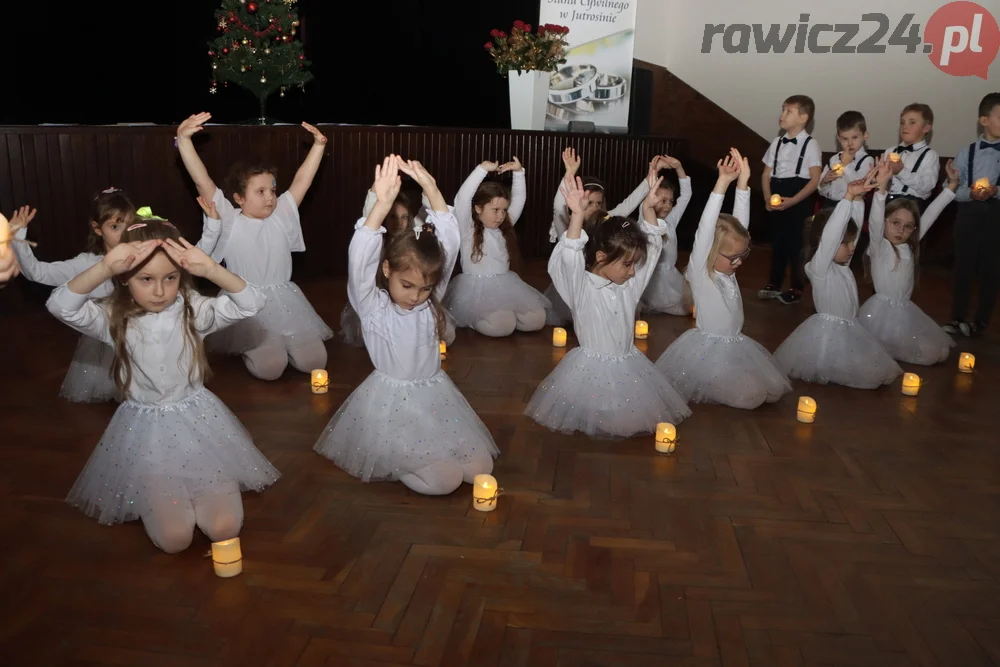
(975, 329)
(953, 327)
(790, 297)
(770, 291)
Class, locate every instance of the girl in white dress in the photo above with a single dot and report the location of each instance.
(715, 362)
(488, 296)
(173, 455)
(89, 376)
(832, 346)
(667, 291)
(558, 314)
(407, 421)
(904, 330)
(257, 241)
(606, 387)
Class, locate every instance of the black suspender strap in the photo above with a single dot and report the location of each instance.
(774, 167)
(802, 155)
(916, 165)
(972, 157)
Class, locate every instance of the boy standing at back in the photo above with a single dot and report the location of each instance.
(977, 229)
(793, 164)
(916, 172)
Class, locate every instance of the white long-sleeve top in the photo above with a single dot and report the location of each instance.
(260, 251)
(835, 292)
(668, 257)
(560, 214)
(496, 257)
(57, 273)
(161, 358)
(891, 279)
(716, 295)
(920, 183)
(603, 311)
(402, 343)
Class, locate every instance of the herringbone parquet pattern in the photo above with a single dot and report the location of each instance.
(868, 538)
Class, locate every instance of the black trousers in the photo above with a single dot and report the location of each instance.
(977, 257)
(786, 232)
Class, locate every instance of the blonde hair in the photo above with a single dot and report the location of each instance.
(122, 308)
(725, 226)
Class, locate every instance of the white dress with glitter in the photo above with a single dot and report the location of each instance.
(171, 439)
(559, 314)
(668, 291)
(715, 362)
(260, 251)
(832, 346)
(407, 414)
(904, 330)
(487, 285)
(606, 387)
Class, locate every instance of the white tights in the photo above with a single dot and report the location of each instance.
(171, 524)
(443, 477)
(268, 361)
(504, 322)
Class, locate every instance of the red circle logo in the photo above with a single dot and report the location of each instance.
(964, 37)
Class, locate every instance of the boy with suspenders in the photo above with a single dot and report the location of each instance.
(915, 174)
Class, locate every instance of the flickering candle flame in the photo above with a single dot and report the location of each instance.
(641, 329)
(485, 493)
(443, 349)
(806, 412)
(982, 184)
(559, 337)
(894, 157)
(320, 381)
(227, 558)
(966, 362)
(666, 438)
(911, 384)
(775, 200)
(837, 169)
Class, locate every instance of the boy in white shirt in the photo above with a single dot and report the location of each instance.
(918, 167)
(850, 164)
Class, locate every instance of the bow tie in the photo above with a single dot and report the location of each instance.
(984, 145)
(903, 149)
(786, 140)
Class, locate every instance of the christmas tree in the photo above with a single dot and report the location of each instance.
(257, 49)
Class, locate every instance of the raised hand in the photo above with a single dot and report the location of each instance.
(655, 197)
(209, 208)
(885, 173)
(193, 124)
(857, 189)
(576, 196)
(490, 166)
(513, 165)
(418, 173)
(744, 164)
(571, 161)
(21, 218)
(318, 137)
(126, 256)
(671, 162)
(189, 257)
(729, 168)
(952, 173)
(387, 180)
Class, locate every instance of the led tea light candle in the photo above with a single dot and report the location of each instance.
(806, 412)
(559, 337)
(838, 169)
(775, 200)
(966, 362)
(320, 381)
(485, 493)
(641, 329)
(894, 157)
(443, 349)
(227, 557)
(666, 438)
(982, 184)
(911, 384)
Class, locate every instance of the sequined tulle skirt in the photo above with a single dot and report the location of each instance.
(153, 454)
(905, 331)
(732, 370)
(286, 314)
(471, 298)
(350, 327)
(387, 428)
(88, 379)
(558, 313)
(667, 292)
(605, 396)
(827, 349)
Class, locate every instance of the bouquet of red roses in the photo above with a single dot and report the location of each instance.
(525, 50)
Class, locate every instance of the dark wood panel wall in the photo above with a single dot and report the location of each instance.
(59, 169)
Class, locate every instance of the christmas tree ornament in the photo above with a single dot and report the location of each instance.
(252, 7)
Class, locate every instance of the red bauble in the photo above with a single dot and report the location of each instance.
(210, 53)
(301, 57)
(225, 50)
(251, 7)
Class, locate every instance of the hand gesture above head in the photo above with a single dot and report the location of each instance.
(513, 165)
(209, 208)
(387, 180)
(489, 166)
(193, 124)
(318, 137)
(418, 173)
(126, 256)
(729, 167)
(21, 218)
(655, 197)
(860, 187)
(744, 164)
(571, 161)
(576, 196)
(671, 162)
(189, 257)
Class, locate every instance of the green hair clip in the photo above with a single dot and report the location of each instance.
(146, 213)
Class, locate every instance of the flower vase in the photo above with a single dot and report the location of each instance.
(529, 92)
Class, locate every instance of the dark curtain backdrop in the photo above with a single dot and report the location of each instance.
(394, 62)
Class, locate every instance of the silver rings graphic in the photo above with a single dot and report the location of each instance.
(609, 87)
(569, 84)
(577, 89)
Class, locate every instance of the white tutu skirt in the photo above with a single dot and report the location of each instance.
(905, 331)
(350, 327)
(387, 428)
(88, 379)
(151, 454)
(470, 298)
(828, 349)
(732, 370)
(558, 313)
(667, 292)
(286, 315)
(605, 396)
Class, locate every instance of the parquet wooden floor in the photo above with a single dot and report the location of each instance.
(868, 538)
